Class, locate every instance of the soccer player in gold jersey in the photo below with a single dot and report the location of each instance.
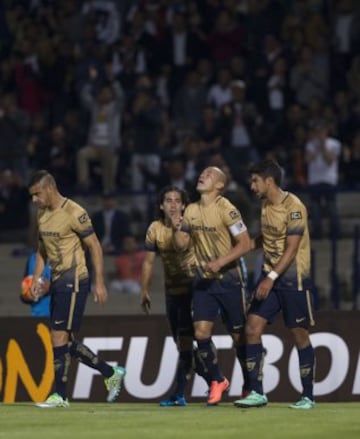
(214, 228)
(178, 276)
(65, 230)
(285, 285)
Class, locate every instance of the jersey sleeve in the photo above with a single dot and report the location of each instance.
(150, 238)
(81, 223)
(232, 218)
(296, 221)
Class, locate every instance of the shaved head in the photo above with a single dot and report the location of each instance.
(221, 174)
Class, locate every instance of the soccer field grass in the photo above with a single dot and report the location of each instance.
(134, 421)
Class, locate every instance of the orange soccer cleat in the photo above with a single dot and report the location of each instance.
(216, 390)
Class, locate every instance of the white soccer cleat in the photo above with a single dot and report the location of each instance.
(113, 384)
(54, 400)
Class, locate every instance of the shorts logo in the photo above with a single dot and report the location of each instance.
(300, 320)
(83, 218)
(234, 214)
(295, 215)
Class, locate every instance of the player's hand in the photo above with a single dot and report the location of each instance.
(263, 289)
(213, 266)
(36, 289)
(145, 302)
(100, 294)
(176, 222)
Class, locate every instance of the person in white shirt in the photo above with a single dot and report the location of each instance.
(322, 154)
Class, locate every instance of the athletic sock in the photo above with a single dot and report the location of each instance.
(62, 360)
(254, 365)
(86, 356)
(241, 356)
(184, 371)
(307, 370)
(200, 367)
(208, 354)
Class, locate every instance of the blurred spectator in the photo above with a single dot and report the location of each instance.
(307, 79)
(226, 39)
(104, 15)
(32, 94)
(104, 138)
(147, 122)
(128, 268)
(238, 121)
(61, 159)
(189, 102)
(182, 47)
(351, 162)
(209, 131)
(220, 92)
(7, 76)
(14, 202)
(111, 224)
(322, 157)
(14, 124)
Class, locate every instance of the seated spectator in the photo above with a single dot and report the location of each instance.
(128, 268)
(111, 225)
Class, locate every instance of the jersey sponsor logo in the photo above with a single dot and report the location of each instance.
(295, 215)
(83, 218)
(234, 214)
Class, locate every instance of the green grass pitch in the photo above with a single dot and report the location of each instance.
(149, 421)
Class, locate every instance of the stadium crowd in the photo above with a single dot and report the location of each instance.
(126, 95)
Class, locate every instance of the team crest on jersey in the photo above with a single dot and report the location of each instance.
(234, 214)
(83, 218)
(295, 215)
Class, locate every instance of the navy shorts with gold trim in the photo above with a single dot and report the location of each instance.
(225, 296)
(297, 306)
(67, 305)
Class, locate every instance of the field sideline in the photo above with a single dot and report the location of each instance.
(149, 421)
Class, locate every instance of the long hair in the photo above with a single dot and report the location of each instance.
(161, 198)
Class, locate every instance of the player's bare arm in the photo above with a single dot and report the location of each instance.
(181, 239)
(292, 245)
(94, 246)
(147, 272)
(242, 246)
(36, 292)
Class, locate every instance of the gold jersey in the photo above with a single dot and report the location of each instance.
(277, 223)
(209, 227)
(178, 266)
(60, 234)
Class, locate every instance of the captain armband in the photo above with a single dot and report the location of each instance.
(273, 275)
(237, 228)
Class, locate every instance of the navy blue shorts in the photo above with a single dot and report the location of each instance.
(297, 306)
(225, 296)
(179, 314)
(68, 306)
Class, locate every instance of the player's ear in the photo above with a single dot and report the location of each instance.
(219, 185)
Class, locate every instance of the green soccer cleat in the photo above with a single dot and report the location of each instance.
(54, 400)
(113, 384)
(304, 403)
(253, 399)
